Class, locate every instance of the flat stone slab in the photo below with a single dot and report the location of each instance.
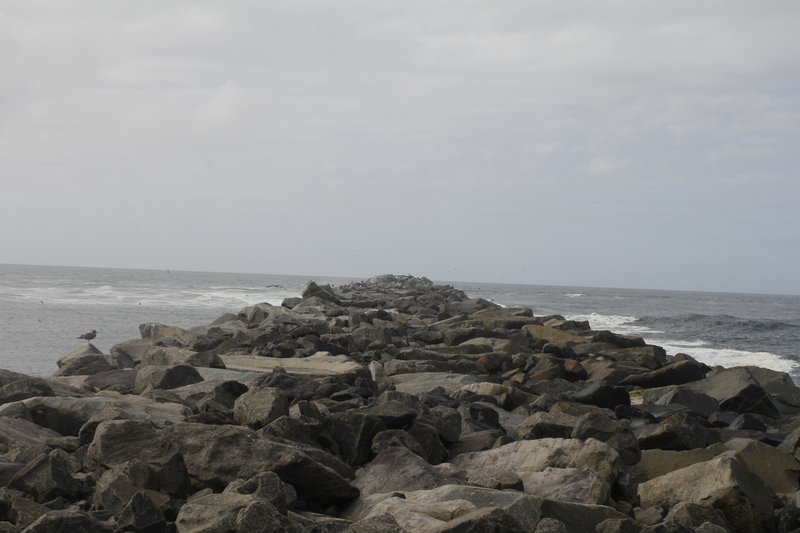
(320, 364)
(227, 374)
(421, 382)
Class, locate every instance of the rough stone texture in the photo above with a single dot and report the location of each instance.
(722, 482)
(529, 457)
(260, 406)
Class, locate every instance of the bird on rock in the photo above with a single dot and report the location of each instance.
(89, 336)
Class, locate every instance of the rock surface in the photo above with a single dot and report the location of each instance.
(394, 404)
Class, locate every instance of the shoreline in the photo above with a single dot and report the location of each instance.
(395, 404)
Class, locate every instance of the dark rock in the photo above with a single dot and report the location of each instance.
(260, 406)
(165, 377)
(602, 395)
(681, 431)
(702, 404)
(676, 373)
(399, 469)
(67, 520)
(544, 424)
(736, 389)
(49, 476)
(351, 435)
(142, 515)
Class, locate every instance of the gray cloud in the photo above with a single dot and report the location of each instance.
(595, 143)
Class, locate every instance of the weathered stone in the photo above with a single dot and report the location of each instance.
(260, 406)
(676, 373)
(722, 482)
(352, 434)
(525, 458)
(579, 485)
(737, 389)
(67, 520)
(142, 515)
(681, 431)
(165, 377)
(427, 381)
(48, 476)
(702, 404)
(602, 395)
(67, 415)
(579, 517)
(693, 515)
(216, 455)
(656, 462)
(321, 364)
(399, 469)
(543, 424)
(778, 470)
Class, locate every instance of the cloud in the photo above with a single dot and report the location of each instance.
(484, 115)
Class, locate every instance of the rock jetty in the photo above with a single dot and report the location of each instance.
(395, 404)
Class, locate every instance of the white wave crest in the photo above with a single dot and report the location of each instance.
(728, 357)
(624, 325)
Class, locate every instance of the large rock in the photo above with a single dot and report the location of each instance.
(450, 508)
(260, 406)
(722, 482)
(256, 505)
(526, 458)
(427, 381)
(737, 389)
(578, 485)
(165, 377)
(321, 364)
(67, 415)
(216, 455)
(399, 469)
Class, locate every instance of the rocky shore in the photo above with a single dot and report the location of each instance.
(395, 404)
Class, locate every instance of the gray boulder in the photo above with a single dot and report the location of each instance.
(165, 377)
(723, 483)
(260, 406)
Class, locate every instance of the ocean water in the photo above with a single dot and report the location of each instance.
(44, 309)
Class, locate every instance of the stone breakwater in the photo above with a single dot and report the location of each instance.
(394, 404)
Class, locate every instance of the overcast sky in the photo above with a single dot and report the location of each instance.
(596, 143)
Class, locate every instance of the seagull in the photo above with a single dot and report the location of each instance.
(88, 336)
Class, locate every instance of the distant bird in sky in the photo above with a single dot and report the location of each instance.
(89, 336)
(276, 286)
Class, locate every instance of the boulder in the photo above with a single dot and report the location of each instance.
(321, 364)
(655, 463)
(67, 415)
(217, 455)
(525, 458)
(543, 424)
(737, 389)
(441, 508)
(399, 469)
(778, 470)
(165, 377)
(260, 406)
(676, 373)
(427, 381)
(723, 483)
(49, 476)
(579, 517)
(67, 520)
(579, 485)
(141, 514)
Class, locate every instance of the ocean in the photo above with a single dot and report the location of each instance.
(43, 309)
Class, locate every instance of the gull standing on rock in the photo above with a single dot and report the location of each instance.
(89, 336)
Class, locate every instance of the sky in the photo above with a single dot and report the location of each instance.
(592, 143)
